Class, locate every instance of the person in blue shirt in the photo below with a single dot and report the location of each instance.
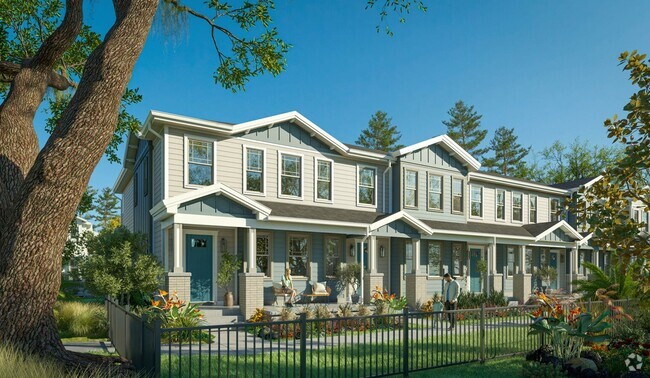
(451, 291)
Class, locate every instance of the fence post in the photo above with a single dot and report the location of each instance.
(156, 347)
(589, 306)
(405, 357)
(303, 345)
(482, 333)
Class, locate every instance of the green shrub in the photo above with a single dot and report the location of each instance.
(475, 300)
(534, 369)
(76, 319)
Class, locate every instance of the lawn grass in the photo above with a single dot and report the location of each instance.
(82, 339)
(496, 368)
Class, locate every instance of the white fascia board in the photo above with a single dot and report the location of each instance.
(171, 118)
(120, 183)
(481, 234)
(457, 150)
(586, 239)
(588, 184)
(564, 226)
(272, 218)
(516, 183)
(403, 216)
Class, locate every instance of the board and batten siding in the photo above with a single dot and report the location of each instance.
(230, 170)
(157, 171)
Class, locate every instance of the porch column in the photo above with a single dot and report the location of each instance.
(416, 255)
(595, 258)
(496, 282)
(373, 278)
(573, 267)
(416, 281)
(251, 247)
(178, 281)
(521, 281)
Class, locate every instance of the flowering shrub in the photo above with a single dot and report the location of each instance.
(621, 356)
(381, 297)
(175, 313)
(259, 316)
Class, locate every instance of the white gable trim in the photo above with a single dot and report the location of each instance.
(170, 205)
(564, 226)
(586, 239)
(513, 182)
(405, 217)
(456, 150)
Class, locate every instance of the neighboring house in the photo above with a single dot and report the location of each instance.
(83, 226)
(282, 192)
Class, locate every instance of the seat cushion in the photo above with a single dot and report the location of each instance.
(320, 288)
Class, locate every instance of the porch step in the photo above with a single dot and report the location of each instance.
(220, 315)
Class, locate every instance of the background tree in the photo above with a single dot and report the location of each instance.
(106, 208)
(464, 127)
(57, 175)
(76, 242)
(606, 204)
(380, 134)
(119, 265)
(508, 154)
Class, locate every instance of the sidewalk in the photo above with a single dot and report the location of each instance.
(90, 347)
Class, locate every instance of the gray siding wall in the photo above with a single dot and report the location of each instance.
(157, 171)
(287, 134)
(127, 206)
(397, 229)
(230, 166)
(142, 222)
(557, 236)
(215, 205)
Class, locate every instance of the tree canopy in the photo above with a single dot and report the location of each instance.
(464, 127)
(380, 134)
(507, 154)
(106, 208)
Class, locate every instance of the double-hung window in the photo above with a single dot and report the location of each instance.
(200, 162)
(323, 180)
(532, 209)
(332, 256)
(291, 175)
(254, 170)
(298, 255)
(457, 195)
(476, 207)
(434, 201)
(517, 206)
(263, 254)
(529, 260)
(410, 189)
(511, 260)
(501, 204)
(366, 186)
(555, 210)
(435, 258)
(457, 259)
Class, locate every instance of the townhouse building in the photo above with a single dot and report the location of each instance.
(282, 192)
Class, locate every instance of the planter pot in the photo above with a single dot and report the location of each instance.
(228, 299)
(355, 298)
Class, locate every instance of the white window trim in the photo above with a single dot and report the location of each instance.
(463, 196)
(514, 260)
(496, 205)
(302, 176)
(186, 160)
(359, 168)
(270, 236)
(341, 244)
(482, 201)
(316, 199)
(440, 264)
(442, 193)
(512, 207)
(550, 209)
(309, 251)
(530, 197)
(245, 149)
(417, 179)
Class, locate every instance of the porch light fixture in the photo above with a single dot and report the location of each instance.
(382, 253)
(352, 250)
(224, 244)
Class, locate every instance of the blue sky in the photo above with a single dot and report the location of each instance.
(547, 69)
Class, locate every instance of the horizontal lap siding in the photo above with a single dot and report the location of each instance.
(127, 206)
(175, 160)
(157, 176)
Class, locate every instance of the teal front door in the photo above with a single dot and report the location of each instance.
(552, 262)
(474, 274)
(198, 261)
(365, 260)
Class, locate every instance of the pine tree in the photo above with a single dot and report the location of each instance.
(106, 208)
(464, 127)
(381, 134)
(508, 154)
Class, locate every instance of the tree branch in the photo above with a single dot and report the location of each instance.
(63, 37)
(9, 70)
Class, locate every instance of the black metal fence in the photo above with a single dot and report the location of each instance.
(355, 346)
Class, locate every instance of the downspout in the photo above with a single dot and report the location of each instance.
(385, 201)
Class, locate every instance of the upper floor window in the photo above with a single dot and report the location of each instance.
(366, 186)
(254, 170)
(532, 209)
(291, 175)
(298, 255)
(410, 188)
(263, 254)
(555, 209)
(517, 206)
(435, 192)
(501, 204)
(323, 180)
(457, 195)
(435, 258)
(476, 208)
(200, 162)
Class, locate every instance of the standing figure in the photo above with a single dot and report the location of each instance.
(451, 292)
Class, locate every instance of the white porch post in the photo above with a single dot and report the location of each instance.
(416, 256)
(250, 248)
(522, 260)
(372, 254)
(178, 247)
(596, 258)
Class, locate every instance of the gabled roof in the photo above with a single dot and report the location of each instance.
(575, 184)
(322, 213)
(456, 150)
(170, 205)
(540, 230)
(404, 217)
(515, 182)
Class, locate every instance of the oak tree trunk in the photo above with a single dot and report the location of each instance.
(39, 191)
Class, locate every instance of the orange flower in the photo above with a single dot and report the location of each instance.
(162, 292)
(155, 303)
(537, 313)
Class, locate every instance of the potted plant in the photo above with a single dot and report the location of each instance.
(228, 265)
(546, 274)
(349, 276)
